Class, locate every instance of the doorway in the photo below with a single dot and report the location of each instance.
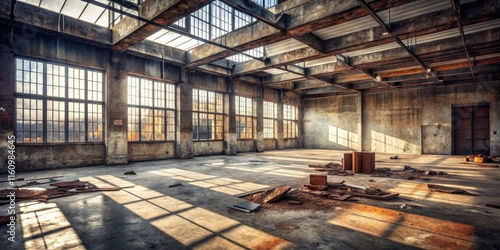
(471, 129)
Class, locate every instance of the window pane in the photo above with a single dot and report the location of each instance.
(220, 102)
(219, 129)
(56, 121)
(76, 122)
(56, 80)
(170, 125)
(159, 124)
(195, 126)
(94, 85)
(29, 77)
(146, 124)
(146, 92)
(76, 83)
(29, 120)
(133, 90)
(159, 94)
(95, 122)
(170, 88)
(133, 124)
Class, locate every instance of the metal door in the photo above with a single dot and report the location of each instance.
(471, 129)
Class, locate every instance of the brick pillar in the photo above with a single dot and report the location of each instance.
(281, 141)
(116, 110)
(7, 112)
(259, 128)
(230, 138)
(184, 123)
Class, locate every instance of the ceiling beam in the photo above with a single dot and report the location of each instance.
(301, 20)
(396, 39)
(260, 13)
(130, 31)
(425, 24)
(456, 9)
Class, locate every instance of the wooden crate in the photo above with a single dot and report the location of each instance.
(368, 162)
(318, 179)
(347, 162)
(357, 162)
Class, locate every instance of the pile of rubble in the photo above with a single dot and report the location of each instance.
(341, 191)
(61, 189)
(332, 169)
(406, 172)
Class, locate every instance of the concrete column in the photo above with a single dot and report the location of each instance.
(281, 141)
(361, 126)
(7, 112)
(300, 123)
(116, 110)
(184, 121)
(259, 127)
(230, 138)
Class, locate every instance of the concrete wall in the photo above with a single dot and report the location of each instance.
(208, 148)
(406, 121)
(332, 122)
(140, 151)
(270, 144)
(58, 156)
(246, 145)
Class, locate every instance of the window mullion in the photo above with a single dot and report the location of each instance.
(86, 106)
(44, 103)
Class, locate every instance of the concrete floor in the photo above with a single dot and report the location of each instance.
(147, 214)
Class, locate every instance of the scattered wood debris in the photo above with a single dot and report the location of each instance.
(245, 206)
(407, 172)
(478, 158)
(61, 189)
(332, 169)
(175, 185)
(277, 193)
(341, 191)
(444, 189)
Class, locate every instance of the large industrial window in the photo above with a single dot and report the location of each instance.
(151, 110)
(244, 117)
(208, 111)
(270, 119)
(57, 103)
(289, 121)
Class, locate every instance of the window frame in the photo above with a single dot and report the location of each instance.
(168, 108)
(45, 98)
(218, 112)
(290, 118)
(246, 116)
(270, 118)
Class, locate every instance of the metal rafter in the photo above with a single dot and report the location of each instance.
(345, 60)
(396, 39)
(456, 9)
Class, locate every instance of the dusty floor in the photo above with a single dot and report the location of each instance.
(147, 214)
